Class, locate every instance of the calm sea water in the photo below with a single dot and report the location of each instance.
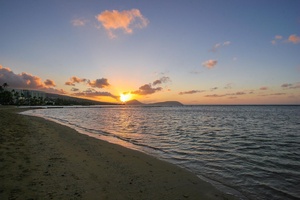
(251, 151)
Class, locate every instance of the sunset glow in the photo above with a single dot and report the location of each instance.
(125, 97)
(195, 52)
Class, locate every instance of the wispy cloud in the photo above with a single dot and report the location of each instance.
(195, 72)
(239, 93)
(217, 46)
(74, 89)
(278, 94)
(228, 86)
(224, 95)
(191, 92)
(79, 22)
(26, 81)
(214, 88)
(215, 95)
(210, 63)
(125, 20)
(291, 86)
(163, 79)
(291, 39)
(276, 38)
(273, 94)
(264, 88)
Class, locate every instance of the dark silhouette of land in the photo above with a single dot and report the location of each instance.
(165, 103)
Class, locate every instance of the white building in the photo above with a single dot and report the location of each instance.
(28, 93)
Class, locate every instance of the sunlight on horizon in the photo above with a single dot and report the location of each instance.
(125, 97)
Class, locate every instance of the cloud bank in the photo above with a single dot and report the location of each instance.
(26, 81)
(92, 93)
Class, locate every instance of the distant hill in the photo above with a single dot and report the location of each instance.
(67, 100)
(134, 102)
(165, 103)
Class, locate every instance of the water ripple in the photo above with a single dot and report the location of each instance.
(253, 149)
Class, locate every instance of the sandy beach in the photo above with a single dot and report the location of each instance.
(40, 159)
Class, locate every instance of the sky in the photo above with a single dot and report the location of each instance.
(192, 51)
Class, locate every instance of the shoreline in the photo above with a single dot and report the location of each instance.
(41, 159)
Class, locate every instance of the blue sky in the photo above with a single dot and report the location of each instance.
(202, 52)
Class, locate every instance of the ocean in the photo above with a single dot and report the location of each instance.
(252, 152)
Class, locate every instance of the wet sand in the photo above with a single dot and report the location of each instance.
(40, 159)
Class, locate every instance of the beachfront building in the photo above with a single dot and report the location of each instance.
(29, 93)
(23, 96)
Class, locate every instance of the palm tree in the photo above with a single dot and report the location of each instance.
(5, 85)
(5, 96)
(17, 96)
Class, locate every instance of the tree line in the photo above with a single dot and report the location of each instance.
(13, 97)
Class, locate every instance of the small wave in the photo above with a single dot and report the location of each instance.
(253, 149)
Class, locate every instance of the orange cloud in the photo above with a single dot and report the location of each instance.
(126, 20)
(98, 83)
(210, 63)
(294, 39)
(49, 83)
(74, 80)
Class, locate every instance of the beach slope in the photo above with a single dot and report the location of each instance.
(40, 159)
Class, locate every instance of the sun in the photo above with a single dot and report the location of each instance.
(125, 97)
